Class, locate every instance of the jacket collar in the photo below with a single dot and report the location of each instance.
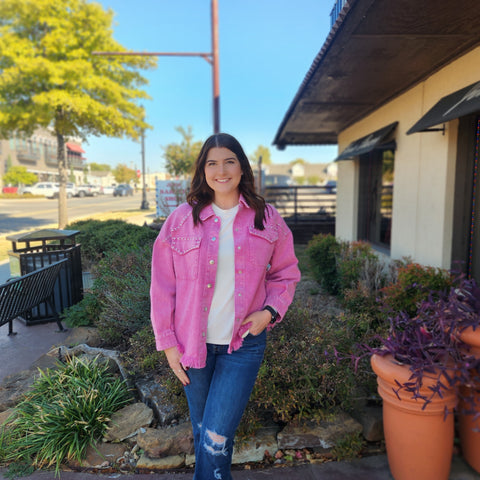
(208, 212)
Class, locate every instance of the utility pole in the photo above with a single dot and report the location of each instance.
(210, 57)
(144, 205)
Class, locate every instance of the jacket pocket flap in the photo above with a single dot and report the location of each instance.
(183, 245)
(270, 234)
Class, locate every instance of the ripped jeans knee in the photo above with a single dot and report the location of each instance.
(215, 444)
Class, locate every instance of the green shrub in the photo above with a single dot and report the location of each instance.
(348, 447)
(97, 237)
(296, 378)
(66, 411)
(122, 289)
(322, 251)
(84, 313)
(414, 283)
(355, 261)
(142, 354)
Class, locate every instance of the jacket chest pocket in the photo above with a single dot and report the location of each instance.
(262, 243)
(186, 256)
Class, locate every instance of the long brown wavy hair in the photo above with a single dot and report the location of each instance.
(202, 195)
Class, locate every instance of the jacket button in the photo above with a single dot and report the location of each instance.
(239, 248)
(214, 238)
(209, 285)
(216, 219)
(211, 262)
(240, 272)
(203, 334)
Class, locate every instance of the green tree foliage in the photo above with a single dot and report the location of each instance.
(50, 77)
(298, 161)
(99, 167)
(123, 174)
(19, 176)
(263, 152)
(180, 157)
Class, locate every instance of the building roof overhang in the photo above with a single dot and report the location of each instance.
(376, 50)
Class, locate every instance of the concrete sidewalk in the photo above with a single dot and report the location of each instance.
(369, 468)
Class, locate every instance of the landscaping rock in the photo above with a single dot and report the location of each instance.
(165, 463)
(4, 416)
(253, 450)
(371, 419)
(104, 455)
(128, 421)
(152, 393)
(88, 335)
(15, 386)
(322, 435)
(165, 442)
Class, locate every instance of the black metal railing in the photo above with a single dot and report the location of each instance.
(28, 156)
(303, 203)
(307, 210)
(337, 8)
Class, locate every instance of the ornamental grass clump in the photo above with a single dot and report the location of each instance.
(66, 411)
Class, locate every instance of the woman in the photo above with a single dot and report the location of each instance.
(223, 272)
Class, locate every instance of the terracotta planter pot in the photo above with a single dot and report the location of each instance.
(419, 442)
(469, 429)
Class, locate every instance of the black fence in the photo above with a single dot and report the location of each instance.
(308, 210)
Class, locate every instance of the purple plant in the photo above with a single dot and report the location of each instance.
(429, 342)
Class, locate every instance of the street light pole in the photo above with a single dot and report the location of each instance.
(144, 205)
(215, 70)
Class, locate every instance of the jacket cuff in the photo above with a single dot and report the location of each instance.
(167, 340)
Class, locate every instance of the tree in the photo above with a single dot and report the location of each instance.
(123, 174)
(99, 167)
(298, 161)
(49, 77)
(19, 176)
(180, 157)
(263, 152)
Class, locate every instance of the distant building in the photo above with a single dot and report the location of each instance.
(38, 154)
(304, 172)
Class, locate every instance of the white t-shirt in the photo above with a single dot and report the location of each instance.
(221, 318)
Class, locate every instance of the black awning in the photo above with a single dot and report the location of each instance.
(455, 105)
(374, 141)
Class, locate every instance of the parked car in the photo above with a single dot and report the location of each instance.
(71, 190)
(46, 189)
(108, 190)
(88, 190)
(123, 190)
(329, 186)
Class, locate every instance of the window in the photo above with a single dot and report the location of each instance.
(466, 219)
(376, 197)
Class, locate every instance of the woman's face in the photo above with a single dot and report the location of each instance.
(223, 174)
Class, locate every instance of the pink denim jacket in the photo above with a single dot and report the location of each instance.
(184, 266)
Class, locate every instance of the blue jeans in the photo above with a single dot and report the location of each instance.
(217, 396)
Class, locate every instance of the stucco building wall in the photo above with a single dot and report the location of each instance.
(422, 222)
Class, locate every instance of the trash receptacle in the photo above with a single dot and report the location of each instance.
(34, 250)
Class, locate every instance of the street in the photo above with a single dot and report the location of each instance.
(25, 214)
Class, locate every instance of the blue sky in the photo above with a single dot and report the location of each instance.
(266, 49)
